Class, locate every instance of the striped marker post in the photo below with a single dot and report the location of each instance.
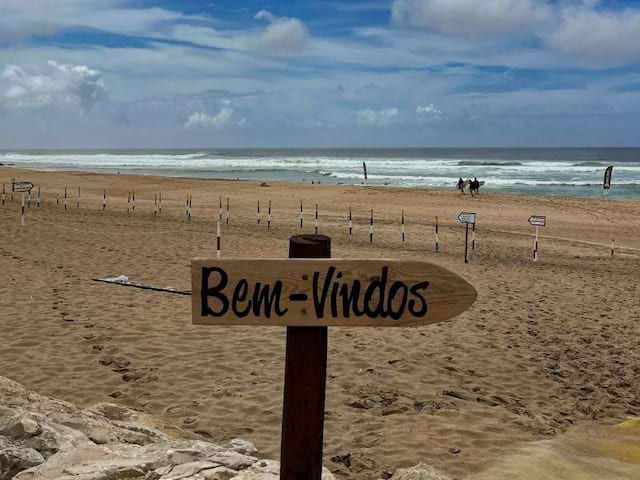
(3, 194)
(301, 215)
(350, 223)
(316, 222)
(371, 227)
(473, 237)
(437, 239)
(612, 247)
(128, 202)
(258, 213)
(155, 204)
(38, 198)
(104, 199)
(29, 199)
(22, 214)
(65, 198)
(227, 212)
(159, 203)
(402, 234)
(189, 207)
(220, 209)
(269, 217)
(535, 246)
(78, 199)
(218, 239)
(133, 202)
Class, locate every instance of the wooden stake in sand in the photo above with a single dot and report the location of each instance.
(269, 217)
(155, 204)
(227, 212)
(3, 194)
(78, 199)
(22, 214)
(437, 239)
(104, 199)
(402, 227)
(189, 206)
(371, 227)
(129, 202)
(38, 197)
(258, 214)
(350, 223)
(29, 199)
(301, 215)
(316, 222)
(133, 201)
(65, 198)
(612, 247)
(159, 203)
(473, 237)
(218, 239)
(220, 209)
(466, 218)
(537, 221)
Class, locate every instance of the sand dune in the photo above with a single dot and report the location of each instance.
(548, 347)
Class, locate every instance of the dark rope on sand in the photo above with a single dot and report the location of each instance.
(143, 286)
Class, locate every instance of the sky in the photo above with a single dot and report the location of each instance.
(319, 73)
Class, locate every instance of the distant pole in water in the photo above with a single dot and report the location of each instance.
(78, 199)
(316, 224)
(402, 227)
(38, 198)
(612, 247)
(437, 240)
(371, 227)
(269, 217)
(258, 214)
(607, 180)
(350, 223)
(227, 212)
(65, 198)
(104, 199)
(301, 215)
(364, 168)
(218, 239)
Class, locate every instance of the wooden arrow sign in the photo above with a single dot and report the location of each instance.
(538, 220)
(325, 292)
(467, 217)
(22, 186)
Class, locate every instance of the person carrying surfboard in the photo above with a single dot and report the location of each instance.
(461, 186)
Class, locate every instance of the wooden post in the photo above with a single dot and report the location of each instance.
(612, 247)
(402, 227)
(301, 216)
(218, 239)
(3, 194)
(227, 212)
(65, 198)
(371, 227)
(316, 224)
(258, 214)
(437, 239)
(104, 199)
(159, 203)
(219, 209)
(78, 199)
(304, 383)
(29, 199)
(155, 204)
(350, 223)
(269, 217)
(133, 201)
(22, 215)
(473, 237)
(38, 198)
(535, 246)
(128, 202)
(466, 242)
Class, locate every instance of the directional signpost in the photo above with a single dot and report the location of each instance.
(21, 187)
(467, 218)
(537, 221)
(307, 293)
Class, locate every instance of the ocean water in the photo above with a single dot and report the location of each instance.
(564, 171)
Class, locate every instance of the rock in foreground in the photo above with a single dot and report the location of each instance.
(45, 439)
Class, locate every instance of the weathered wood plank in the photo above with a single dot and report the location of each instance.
(325, 292)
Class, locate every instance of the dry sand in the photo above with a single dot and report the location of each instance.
(547, 347)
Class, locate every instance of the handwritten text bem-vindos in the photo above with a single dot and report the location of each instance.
(331, 296)
(325, 292)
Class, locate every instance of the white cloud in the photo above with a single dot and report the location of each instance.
(284, 35)
(55, 84)
(429, 110)
(600, 36)
(370, 117)
(469, 17)
(219, 120)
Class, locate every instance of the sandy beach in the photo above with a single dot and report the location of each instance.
(548, 347)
